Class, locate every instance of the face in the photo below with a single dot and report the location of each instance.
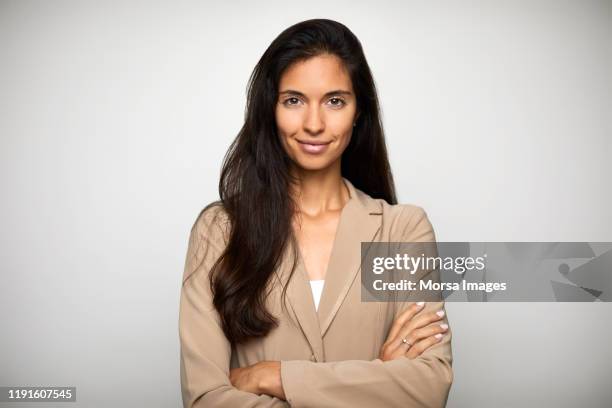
(315, 112)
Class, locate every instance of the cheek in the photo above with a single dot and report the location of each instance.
(341, 127)
(288, 122)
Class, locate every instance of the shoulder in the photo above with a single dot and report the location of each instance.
(407, 222)
(212, 223)
(400, 222)
(207, 239)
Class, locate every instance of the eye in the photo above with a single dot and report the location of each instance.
(337, 102)
(291, 101)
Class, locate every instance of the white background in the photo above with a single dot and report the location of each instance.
(115, 116)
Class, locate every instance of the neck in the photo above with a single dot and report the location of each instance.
(318, 191)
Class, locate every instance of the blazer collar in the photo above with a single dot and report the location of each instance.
(360, 221)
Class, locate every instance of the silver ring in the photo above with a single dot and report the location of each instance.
(404, 341)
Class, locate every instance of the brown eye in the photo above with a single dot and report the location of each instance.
(336, 102)
(291, 101)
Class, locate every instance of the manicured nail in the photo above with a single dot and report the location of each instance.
(440, 313)
(438, 336)
(420, 304)
(444, 326)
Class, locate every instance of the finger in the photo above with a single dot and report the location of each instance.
(419, 334)
(423, 345)
(416, 323)
(404, 317)
(425, 332)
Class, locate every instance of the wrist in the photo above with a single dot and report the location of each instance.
(268, 378)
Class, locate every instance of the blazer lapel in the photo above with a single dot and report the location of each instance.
(299, 295)
(360, 221)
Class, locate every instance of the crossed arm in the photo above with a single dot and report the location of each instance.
(393, 379)
(411, 334)
(419, 376)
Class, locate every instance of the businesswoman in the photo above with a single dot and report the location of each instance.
(271, 312)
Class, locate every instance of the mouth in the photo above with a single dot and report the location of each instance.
(313, 143)
(313, 147)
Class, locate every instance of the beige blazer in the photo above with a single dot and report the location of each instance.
(329, 356)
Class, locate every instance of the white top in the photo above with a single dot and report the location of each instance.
(317, 288)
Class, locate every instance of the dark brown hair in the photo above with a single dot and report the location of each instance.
(255, 177)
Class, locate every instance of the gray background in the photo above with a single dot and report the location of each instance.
(115, 116)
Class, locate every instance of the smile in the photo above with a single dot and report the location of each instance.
(313, 147)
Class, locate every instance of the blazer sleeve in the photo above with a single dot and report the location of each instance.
(424, 381)
(205, 351)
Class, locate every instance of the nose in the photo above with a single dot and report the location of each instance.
(313, 122)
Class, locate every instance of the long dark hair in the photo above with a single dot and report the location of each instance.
(255, 179)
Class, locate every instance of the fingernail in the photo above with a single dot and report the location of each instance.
(440, 313)
(444, 326)
(420, 304)
(438, 336)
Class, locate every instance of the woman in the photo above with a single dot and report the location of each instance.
(271, 313)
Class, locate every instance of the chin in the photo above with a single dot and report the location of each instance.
(313, 164)
(310, 163)
(310, 167)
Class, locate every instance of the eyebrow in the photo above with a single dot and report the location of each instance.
(336, 92)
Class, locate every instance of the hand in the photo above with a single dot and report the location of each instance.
(421, 331)
(261, 378)
(245, 378)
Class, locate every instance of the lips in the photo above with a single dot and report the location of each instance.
(313, 147)
(315, 143)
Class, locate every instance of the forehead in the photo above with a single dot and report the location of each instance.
(316, 75)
